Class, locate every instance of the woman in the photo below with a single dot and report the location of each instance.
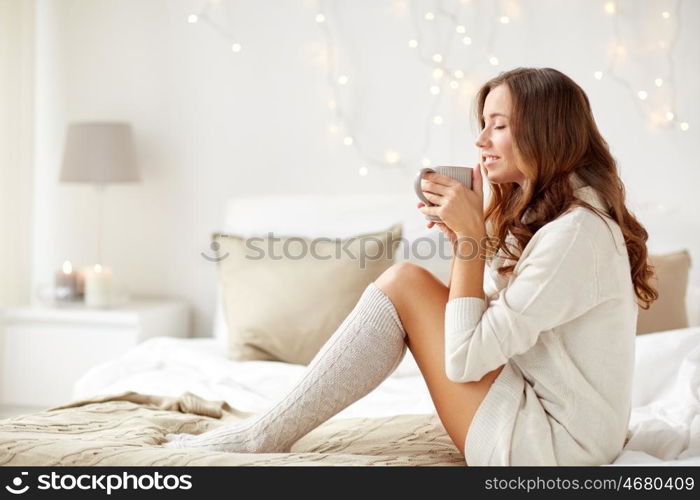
(535, 369)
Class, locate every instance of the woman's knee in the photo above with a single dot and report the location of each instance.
(400, 275)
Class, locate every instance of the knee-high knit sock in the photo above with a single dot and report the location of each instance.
(364, 350)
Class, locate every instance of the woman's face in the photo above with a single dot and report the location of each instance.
(496, 139)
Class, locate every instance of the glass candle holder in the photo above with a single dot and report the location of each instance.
(66, 283)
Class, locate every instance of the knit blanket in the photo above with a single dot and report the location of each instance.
(127, 429)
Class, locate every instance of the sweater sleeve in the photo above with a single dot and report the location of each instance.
(556, 283)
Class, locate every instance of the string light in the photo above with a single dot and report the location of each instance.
(621, 52)
(436, 60)
(203, 17)
(440, 58)
(336, 82)
(392, 156)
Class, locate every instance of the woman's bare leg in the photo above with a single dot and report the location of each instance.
(420, 300)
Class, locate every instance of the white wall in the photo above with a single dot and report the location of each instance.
(16, 94)
(211, 124)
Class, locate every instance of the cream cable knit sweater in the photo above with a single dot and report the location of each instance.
(564, 326)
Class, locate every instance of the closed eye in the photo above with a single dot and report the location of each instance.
(502, 126)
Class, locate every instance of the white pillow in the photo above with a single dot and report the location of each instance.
(313, 216)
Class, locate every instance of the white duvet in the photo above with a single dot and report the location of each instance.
(665, 420)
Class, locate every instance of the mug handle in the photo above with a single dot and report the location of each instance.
(417, 188)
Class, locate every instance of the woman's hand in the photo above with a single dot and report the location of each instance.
(449, 232)
(460, 209)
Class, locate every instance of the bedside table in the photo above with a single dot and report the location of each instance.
(44, 350)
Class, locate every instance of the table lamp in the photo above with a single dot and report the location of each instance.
(99, 153)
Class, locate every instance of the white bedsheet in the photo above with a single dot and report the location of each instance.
(665, 420)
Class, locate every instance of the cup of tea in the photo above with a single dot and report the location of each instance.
(462, 175)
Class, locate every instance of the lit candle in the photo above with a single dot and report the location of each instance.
(80, 280)
(98, 287)
(66, 283)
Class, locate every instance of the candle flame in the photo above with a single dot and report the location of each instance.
(67, 267)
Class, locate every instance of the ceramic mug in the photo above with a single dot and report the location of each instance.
(460, 174)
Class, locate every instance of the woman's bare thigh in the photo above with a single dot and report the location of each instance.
(420, 300)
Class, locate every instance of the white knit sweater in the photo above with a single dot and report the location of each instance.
(564, 326)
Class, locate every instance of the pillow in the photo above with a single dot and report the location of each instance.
(284, 296)
(669, 311)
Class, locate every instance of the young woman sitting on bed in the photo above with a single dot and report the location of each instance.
(532, 366)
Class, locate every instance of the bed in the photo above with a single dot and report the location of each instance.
(122, 409)
(125, 407)
(665, 421)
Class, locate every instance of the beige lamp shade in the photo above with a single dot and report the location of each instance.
(100, 153)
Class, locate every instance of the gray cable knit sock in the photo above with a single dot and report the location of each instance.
(365, 349)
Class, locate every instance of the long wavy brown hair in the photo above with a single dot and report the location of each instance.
(554, 134)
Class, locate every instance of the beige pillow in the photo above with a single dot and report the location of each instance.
(669, 311)
(281, 302)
